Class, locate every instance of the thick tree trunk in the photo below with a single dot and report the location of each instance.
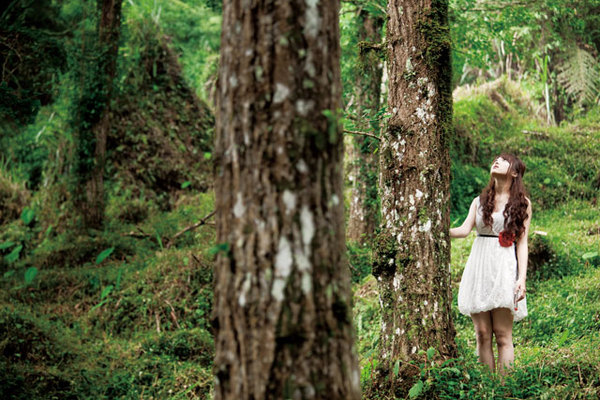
(364, 204)
(282, 311)
(413, 250)
(93, 118)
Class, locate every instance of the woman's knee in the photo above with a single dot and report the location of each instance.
(503, 336)
(483, 334)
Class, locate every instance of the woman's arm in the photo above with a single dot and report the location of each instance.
(467, 226)
(522, 255)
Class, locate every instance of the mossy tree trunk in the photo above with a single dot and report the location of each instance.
(92, 119)
(413, 250)
(364, 204)
(282, 311)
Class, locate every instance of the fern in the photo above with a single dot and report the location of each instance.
(579, 75)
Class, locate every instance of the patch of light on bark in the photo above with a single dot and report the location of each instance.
(244, 289)
(281, 93)
(233, 82)
(418, 194)
(435, 307)
(289, 199)
(301, 260)
(283, 259)
(303, 107)
(413, 350)
(311, 26)
(356, 380)
(335, 200)
(426, 227)
(409, 66)
(307, 227)
(239, 208)
(277, 289)
(306, 283)
(301, 166)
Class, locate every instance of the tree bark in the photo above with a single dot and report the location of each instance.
(364, 203)
(93, 118)
(282, 311)
(413, 250)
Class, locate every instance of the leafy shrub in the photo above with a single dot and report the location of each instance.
(194, 345)
(359, 259)
(13, 197)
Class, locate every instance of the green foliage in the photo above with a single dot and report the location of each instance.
(33, 54)
(360, 261)
(104, 254)
(580, 75)
(466, 183)
(561, 161)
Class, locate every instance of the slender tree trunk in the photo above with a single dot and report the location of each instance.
(92, 116)
(282, 311)
(364, 204)
(413, 249)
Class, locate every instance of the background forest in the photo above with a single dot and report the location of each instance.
(122, 309)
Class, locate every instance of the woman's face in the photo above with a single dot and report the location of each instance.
(500, 166)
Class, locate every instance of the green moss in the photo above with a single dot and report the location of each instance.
(386, 249)
(433, 25)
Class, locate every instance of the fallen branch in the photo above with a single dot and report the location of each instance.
(189, 228)
(362, 133)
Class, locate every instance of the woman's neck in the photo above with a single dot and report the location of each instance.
(502, 185)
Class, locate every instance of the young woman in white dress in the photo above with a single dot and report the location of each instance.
(492, 288)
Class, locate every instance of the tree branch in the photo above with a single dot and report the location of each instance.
(362, 133)
(189, 228)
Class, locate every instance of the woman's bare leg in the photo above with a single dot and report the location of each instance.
(483, 331)
(502, 324)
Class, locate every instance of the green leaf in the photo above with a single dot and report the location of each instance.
(563, 338)
(27, 215)
(453, 370)
(8, 274)
(397, 367)
(207, 156)
(224, 247)
(106, 291)
(546, 181)
(104, 255)
(14, 255)
(416, 389)
(6, 245)
(30, 275)
(430, 353)
(589, 255)
(185, 184)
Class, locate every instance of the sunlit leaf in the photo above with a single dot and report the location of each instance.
(6, 245)
(27, 215)
(416, 389)
(104, 255)
(30, 275)
(430, 353)
(14, 255)
(106, 291)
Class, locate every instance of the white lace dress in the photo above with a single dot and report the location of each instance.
(489, 277)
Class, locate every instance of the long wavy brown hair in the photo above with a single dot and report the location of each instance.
(515, 212)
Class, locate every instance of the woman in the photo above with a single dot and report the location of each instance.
(492, 288)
